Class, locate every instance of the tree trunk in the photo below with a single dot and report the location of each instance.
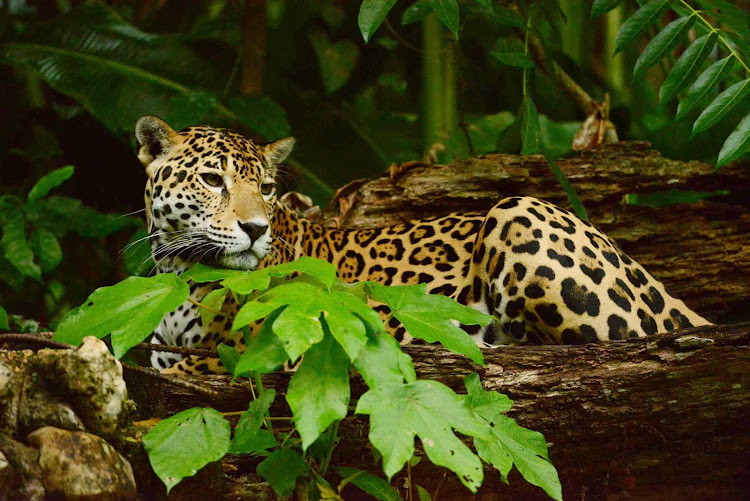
(657, 418)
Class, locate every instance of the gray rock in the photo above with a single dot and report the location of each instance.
(20, 479)
(81, 466)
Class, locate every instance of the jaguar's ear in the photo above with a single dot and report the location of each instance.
(277, 151)
(154, 136)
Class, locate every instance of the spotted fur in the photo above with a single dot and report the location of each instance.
(545, 275)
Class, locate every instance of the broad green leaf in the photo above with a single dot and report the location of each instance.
(429, 410)
(406, 365)
(429, 317)
(371, 15)
(644, 17)
(705, 85)
(423, 494)
(46, 248)
(509, 50)
(662, 44)
(3, 319)
(248, 435)
(737, 144)
(229, 356)
(137, 254)
(129, 310)
(214, 300)
(416, 12)
(557, 137)
(318, 268)
(531, 133)
(188, 109)
(372, 485)
(318, 392)
(508, 442)
(201, 273)
(720, 106)
(670, 197)
(299, 324)
(447, 12)
(687, 67)
(49, 182)
(335, 60)
(16, 248)
(181, 445)
(262, 115)
(378, 362)
(603, 6)
(263, 353)
(281, 470)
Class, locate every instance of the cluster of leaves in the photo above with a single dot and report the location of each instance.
(697, 75)
(32, 229)
(329, 325)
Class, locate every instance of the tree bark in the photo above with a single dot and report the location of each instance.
(657, 418)
(700, 251)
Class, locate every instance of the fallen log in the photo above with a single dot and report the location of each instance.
(657, 418)
(700, 251)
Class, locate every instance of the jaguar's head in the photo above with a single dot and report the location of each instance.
(210, 194)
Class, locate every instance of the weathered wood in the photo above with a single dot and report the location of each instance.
(700, 251)
(657, 418)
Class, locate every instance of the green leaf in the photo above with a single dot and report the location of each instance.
(372, 485)
(720, 106)
(700, 90)
(423, 494)
(429, 317)
(670, 197)
(261, 115)
(181, 445)
(509, 50)
(46, 248)
(129, 310)
(531, 133)
(264, 352)
(508, 442)
(3, 319)
(416, 12)
(299, 324)
(570, 192)
(737, 144)
(318, 268)
(59, 215)
(229, 356)
(137, 254)
(188, 109)
(248, 435)
(336, 60)
(429, 410)
(603, 6)
(318, 392)
(378, 362)
(662, 44)
(687, 66)
(729, 14)
(447, 12)
(112, 68)
(50, 181)
(644, 17)
(371, 15)
(17, 249)
(213, 300)
(281, 470)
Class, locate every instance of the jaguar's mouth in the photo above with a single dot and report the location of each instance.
(247, 259)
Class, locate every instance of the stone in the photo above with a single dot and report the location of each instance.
(19, 480)
(76, 465)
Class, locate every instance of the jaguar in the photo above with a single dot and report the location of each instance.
(546, 276)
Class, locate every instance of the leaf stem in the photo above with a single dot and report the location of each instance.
(718, 32)
(331, 446)
(201, 305)
(525, 52)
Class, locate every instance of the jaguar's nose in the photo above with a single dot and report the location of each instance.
(254, 230)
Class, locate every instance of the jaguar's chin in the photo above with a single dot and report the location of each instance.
(245, 260)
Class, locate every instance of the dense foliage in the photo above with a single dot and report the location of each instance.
(328, 325)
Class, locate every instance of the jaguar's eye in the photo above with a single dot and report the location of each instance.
(266, 188)
(213, 180)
